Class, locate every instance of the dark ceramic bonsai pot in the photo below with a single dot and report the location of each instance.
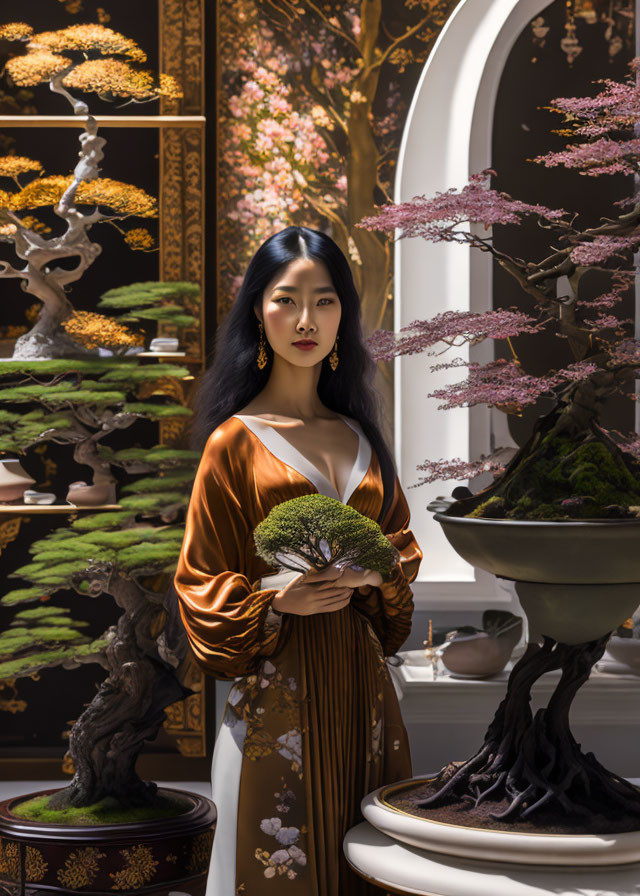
(155, 857)
(576, 580)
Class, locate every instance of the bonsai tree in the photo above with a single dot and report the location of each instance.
(148, 301)
(80, 408)
(127, 553)
(315, 531)
(92, 59)
(571, 466)
(174, 305)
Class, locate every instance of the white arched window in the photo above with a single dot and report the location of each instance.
(447, 137)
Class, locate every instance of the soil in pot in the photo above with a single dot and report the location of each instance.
(466, 815)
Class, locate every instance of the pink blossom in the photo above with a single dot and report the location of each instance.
(468, 326)
(606, 322)
(579, 370)
(606, 300)
(604, 156)
(614, 108)
(502, 382)
(627, 351)
(457, 469)
(603, 247)
(434, 219)
(252, 91)
(632, 445)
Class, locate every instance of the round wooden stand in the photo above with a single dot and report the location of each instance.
(158, 858)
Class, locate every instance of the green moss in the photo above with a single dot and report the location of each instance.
(107, 811)
(489, 508)
(567, 480)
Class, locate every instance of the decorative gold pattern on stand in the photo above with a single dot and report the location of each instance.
(200, 852)
(34, 865)
(81, 868)
(9, 859)
(9, 530)
(140, 868)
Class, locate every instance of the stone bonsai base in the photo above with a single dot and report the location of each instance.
(398, 868)
(393, 810)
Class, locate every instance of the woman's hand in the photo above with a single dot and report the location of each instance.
(322, 591)
(353, 578)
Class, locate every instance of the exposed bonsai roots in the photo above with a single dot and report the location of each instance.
(533, 762)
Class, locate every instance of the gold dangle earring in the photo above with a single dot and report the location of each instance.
(262, 353)
(333, 357)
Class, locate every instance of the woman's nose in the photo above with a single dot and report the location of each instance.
(305, 320)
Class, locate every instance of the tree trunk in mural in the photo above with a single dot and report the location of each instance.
(374, 282)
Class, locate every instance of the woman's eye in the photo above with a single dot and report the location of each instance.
(288, 299)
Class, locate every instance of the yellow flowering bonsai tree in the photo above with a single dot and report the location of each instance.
(88, 58)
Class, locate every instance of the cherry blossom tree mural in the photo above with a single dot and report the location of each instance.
(310, 121)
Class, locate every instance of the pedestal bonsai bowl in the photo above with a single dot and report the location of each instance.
(530, 794)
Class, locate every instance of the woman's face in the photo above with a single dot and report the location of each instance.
(300, 302)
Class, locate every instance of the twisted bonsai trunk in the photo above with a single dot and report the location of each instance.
(533, 762)
(127, 710)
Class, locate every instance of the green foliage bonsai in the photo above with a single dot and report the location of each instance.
(163, 302)
(315, 531)
(128, 553)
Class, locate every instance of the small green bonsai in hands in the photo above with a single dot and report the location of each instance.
(314, 531)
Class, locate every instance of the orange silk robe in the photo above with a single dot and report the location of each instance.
(312, 722)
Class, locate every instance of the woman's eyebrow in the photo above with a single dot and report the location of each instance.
(316, 289)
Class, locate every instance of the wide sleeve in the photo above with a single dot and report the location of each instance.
(389, 606)
(231, 627)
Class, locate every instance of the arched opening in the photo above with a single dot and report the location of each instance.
(448, 136)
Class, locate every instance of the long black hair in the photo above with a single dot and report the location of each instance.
(233, 377)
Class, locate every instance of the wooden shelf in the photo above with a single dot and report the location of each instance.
(191, 359)
(54, 508)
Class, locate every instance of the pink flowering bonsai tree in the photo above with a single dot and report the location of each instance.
(571, 467)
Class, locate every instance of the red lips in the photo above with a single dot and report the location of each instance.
(305, 342)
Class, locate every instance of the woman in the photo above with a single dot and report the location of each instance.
(312, 722)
